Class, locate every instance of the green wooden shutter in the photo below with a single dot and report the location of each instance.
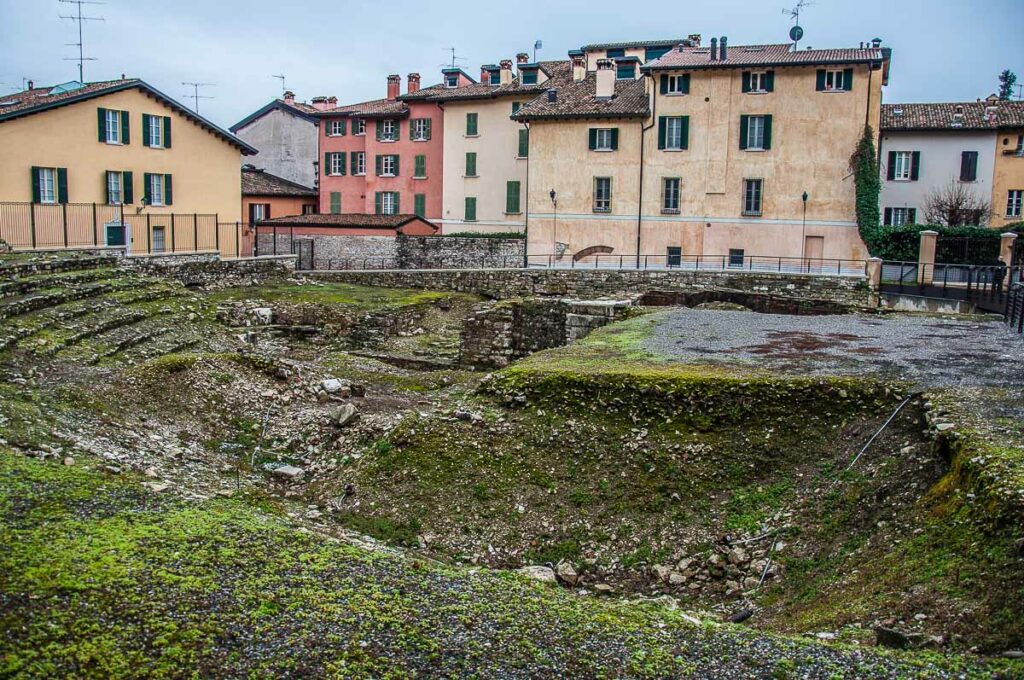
(421, 166)
(335, 202)
(662, 131)
(515, 107)
(592, 140)
(62, 185)
(354, 162)
(686, 83)
(147, 182)
(167, 132)
(912, 216)
(470, 209)
(848, 79)
(512, 197)
(744, 122)
(419, 205)
(343, 163)
(101, 115)
(126, 120)
(168, 192)
(379, 161)
(915, 165)
(685, 131)
(663, 84)
(412, 128)
(377, 202)
(470, 164)
(379, 125)
(145, 129)
(890, 170)
(397, 158)
(398, 204)
(524, 143)
(887, 217)
(127, 187)
(344, 127)
(767, 132)
(820, 82)
(327, 164)
(36, 193)
(428, 124)
(746, 81)
(615, 139)
(471, 124)
(769, 81)
(106, 185)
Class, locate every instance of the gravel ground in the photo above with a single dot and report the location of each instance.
(928, 352)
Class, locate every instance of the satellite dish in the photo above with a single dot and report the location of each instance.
(796, 33)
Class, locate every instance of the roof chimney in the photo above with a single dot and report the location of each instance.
(414, 82)
(394, 84)
(552, 96)
(693, 39)
(319, 103)
(289, 97)
(506, 72)
(714, 49)
(31, 85)
(722, 55)
(522, 58)
(332, 102)
(605, 79)
(579, 67)
(485, 75)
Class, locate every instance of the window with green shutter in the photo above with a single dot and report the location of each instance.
(471, 125)
(419, 205)
(470, 209)
(128, 182)
(335, 202)
(420, 171)
(470, 164)
(524, 143)
(512, 197)
(515, 107)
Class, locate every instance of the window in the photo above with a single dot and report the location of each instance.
(387, 130)
(835, 80)
(114, 186)
(309, 209)
(358, 126)
(335, 163)
(652, 53)
(47, 185)
(470, 164)
(625, 71)
(471, 125)
(603, 139)
(420, 167)
(419, 205)
(388, 166)
(529, 76)
(898, 217)
(494, 77)
(675, 256)
(602, 194)
(515, 107)
(615, 53)
(155, 130)
(1014, 198)
(673, 132)
(524, 143)
(470, 209)
(512, 197)
(758, 81)
(736, 257)
(677, 84)
(451, 80)
(113, 126)
(336, 128)
(969, 166)
(386, 203)
(258, 211)
(335, 202)
(158, 189)
(358, 163)
(670, 195)
(1020, 145)
(756, 133)
(420, 129)
(903, 162)
(752, 189)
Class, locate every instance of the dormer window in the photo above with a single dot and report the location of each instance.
(615, 53)
(625, 71)
(451, 80)
(494, 77)
(528, 76)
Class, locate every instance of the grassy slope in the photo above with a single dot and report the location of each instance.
(361, 297)
(101, 579)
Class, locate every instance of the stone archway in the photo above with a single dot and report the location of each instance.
(592, 250)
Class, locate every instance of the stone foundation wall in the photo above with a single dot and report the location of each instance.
(336, 251)
(458, 252)
(207, 269)
(503, 284)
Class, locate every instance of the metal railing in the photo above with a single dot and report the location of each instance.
(736, 263)
(987, 287)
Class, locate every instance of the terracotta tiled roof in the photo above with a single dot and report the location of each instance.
(440, 93)
(982, 115)
(41, 99)
(300, 106)
(762, 55)
(376, 108)
(352, 220)
(577, 100)
(256, 182)
(636, 44)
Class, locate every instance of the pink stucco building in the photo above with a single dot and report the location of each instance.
(383, 156)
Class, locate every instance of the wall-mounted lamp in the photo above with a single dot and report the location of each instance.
(553, 196)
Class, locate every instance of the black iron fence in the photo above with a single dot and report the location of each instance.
(25, 226)
(990, 288)
(968, 249)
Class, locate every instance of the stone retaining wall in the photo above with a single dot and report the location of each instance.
(207, 269)
(330, 250)
(437, 252)
(590, 284)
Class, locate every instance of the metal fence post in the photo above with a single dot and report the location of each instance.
(172, 232)
(238, 239)
(216, 230)
(195, 232)
(95, 227)
(149, 232)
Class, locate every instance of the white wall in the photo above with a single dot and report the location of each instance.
(287, 146)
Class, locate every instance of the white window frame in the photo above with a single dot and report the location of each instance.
(259, 212)
(671, 194)
(835, 80)
(1015, 202)
(156, 132)
(387, 203)
(337, 164)
(603, 139)
(602, 203)
(904, 162)
(674, 133)
(755, 133)
(47, 185)
(451, 80)
(419, 130)
(359, 126)
(115, 188)
(389, 131)
(334, 128)
(113, 125)
(753, 187)
(675, 85)
(900, 217)
(758, 81)
(388, 161)
(360, 162)
(156, 190)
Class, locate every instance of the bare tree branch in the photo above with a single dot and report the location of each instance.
(957, 204)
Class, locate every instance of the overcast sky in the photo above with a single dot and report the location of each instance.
(943, 50)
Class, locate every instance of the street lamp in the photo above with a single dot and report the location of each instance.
(803, 230)
(554, 223)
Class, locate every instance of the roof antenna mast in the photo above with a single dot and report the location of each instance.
(195, 96)
(454, 58)
(284, 88)
(80, 19)
(797, 32)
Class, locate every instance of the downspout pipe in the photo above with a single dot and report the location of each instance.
(640, 197)
(526, 210)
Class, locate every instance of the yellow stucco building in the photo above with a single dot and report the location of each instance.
(77, 157)
(1008, 170)
(707, 151)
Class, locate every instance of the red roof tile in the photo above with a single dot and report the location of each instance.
(352, 220)
(256, 182)
(762, 55)
(982, 115)
(376, 108)
(578, 100)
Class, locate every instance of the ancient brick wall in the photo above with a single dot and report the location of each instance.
(458, 252)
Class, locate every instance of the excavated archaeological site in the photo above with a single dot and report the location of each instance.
(231, 470)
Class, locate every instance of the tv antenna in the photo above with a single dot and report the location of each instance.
(797, 32)
(536, 46)
(284, 88)
(195, 96)
(454, 58)
(80, 19)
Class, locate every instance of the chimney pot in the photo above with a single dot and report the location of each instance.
(694, 39)
(289, 97)
(552, 96)
(394, 83)
(605, 79)
(485, 75)
(31, 85)
(714, 49)
(319, 103)
(414, 82)
(505, 76)
(722, 54)
(579, 68)
(522, 58)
